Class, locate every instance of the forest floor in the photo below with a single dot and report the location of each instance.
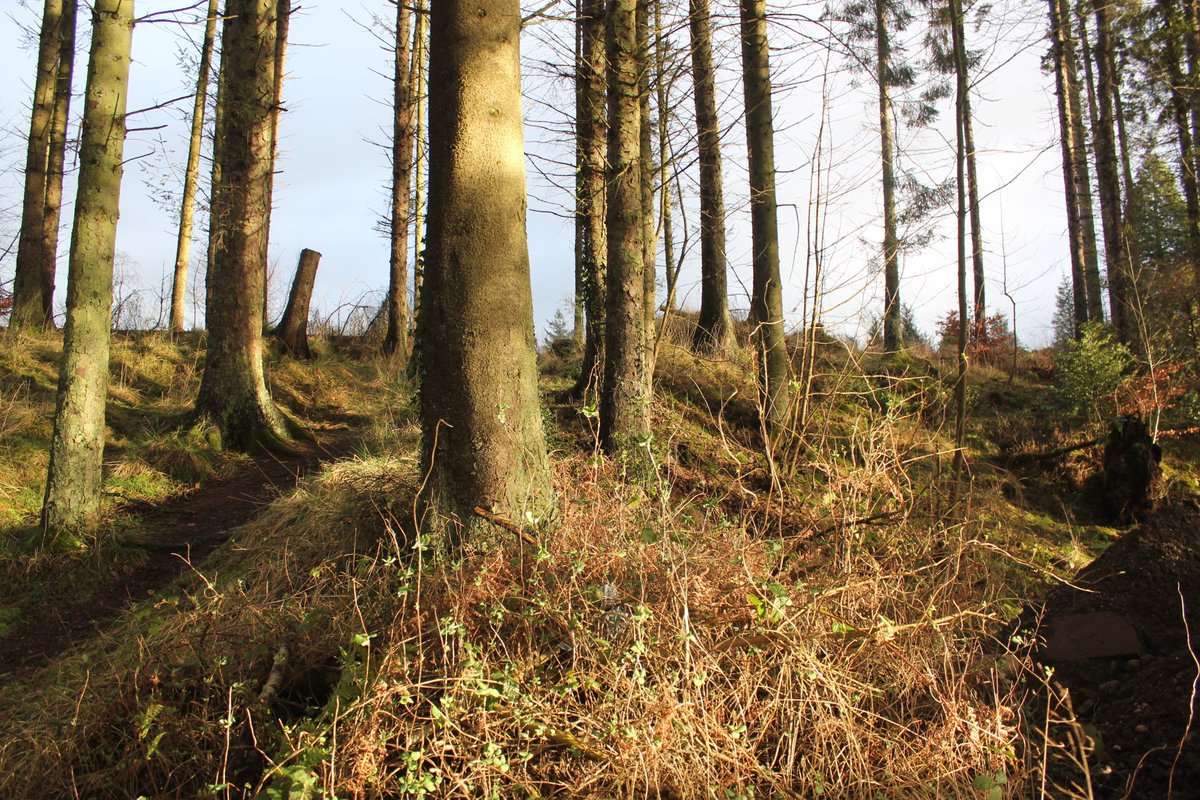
(864, 624)
(172, 535)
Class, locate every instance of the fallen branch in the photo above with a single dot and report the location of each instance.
(275, 679)
(507, 524)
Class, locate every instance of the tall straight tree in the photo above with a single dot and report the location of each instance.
(77, 444)
(420, 167)
(57, 157)
(960, 157)
(1116, 245)
(649, 228)
(191, 176)
(483, 441)
(1170, 55)
(233, 390)
(662, 90)
(1071, 159)
(624, 400)
(33, 281)
(893, 326)
(591, 131)
(714, 330)
(766, 303)
(404, 102)
(961, 69)
(283, 18)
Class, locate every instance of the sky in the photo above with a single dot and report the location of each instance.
(333, 168)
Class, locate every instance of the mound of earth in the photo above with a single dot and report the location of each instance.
(1118, 640)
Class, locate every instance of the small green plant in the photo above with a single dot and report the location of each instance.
(1089, 370)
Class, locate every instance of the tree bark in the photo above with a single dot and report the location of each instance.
(77, 445)
(624, 404)
(403, 126)
(766, 304)
(1070, 163)
(1172, 58)
(592, 132)
(483, 440)
(714, 329)
(893, 326)
(979, 295)
(233, 390)
(292, 332)
(191, 176)
(33, 280)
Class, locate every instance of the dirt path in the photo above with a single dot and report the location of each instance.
(187, 528)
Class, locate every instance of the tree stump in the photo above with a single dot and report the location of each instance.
(292, 332)
(1132, 484)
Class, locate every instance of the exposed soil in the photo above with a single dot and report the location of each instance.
(174, 534)
(1118, 639)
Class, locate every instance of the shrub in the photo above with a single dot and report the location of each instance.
(1089, 371)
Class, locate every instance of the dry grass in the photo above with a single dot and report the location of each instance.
(710, 634)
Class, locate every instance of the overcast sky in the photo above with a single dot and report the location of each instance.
(333, 180)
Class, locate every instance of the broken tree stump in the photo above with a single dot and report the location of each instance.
(292, 331)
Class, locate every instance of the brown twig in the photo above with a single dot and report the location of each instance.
(507, 524)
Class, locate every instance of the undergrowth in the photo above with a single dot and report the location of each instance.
(820, 625)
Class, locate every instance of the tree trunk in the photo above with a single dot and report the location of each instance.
(766, 304)
(1172, 58)
(591, 130)
(979, 296)
(33, 280)
(483, 440)
(292, 332)
(191, 176)
(960, 386)
(1116, 250)
(624, 405)
(579, 320)
(1087, 214)
(893, 326)
(216, 219)
(714, 329)
(77, 444)
(233, 390)
(403, 124)
(1070, 164)
(664, 158)
(283, 17)
(56, 158)
(649, 229)
(420, 78)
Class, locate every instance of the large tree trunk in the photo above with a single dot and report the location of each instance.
(233, 390)
(893, 327)
(77, 444)
(191, 176)
(483, 440)
(1087, 214)
(33, 281)
(1070, 162)
(624, 404)
(292, 332)
(591, 130)
(1177, 87)
(766, 304)
(1116, 249)
(403, 124)
(714, 330)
